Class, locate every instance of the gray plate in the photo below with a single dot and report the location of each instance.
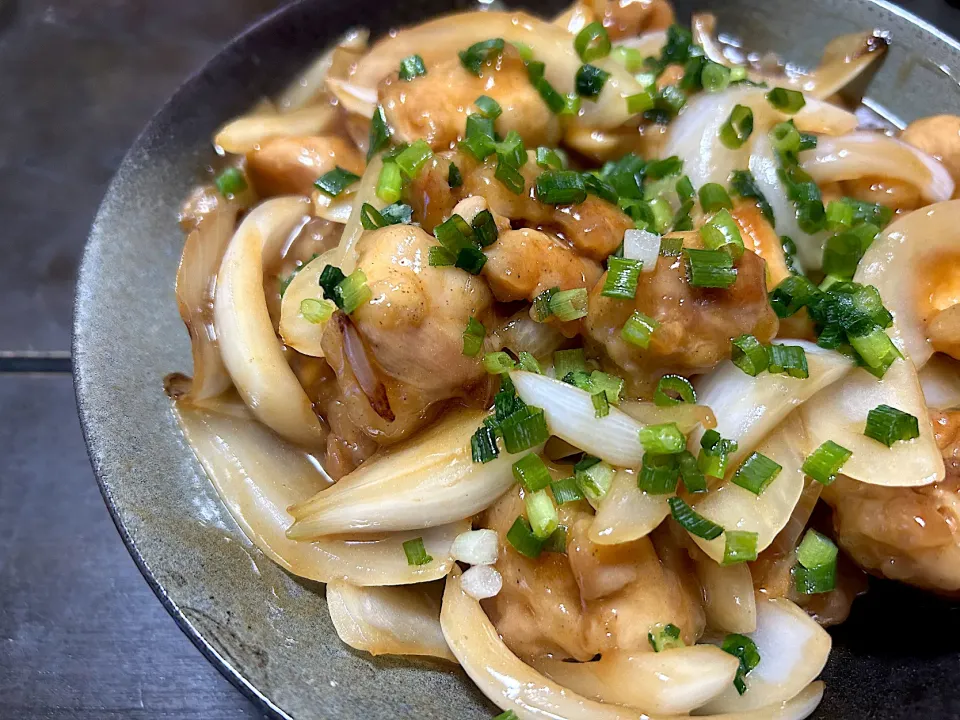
(268, 632)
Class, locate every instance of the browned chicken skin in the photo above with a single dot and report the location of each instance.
(290, 165)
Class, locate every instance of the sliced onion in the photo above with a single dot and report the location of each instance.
(862, 154)
(648, 44)
(735, 508)
(338, 209)
(824, 118)
(644, 246)
(940, 381)
(687, 416)
(481, 582)
(246, 133)
(513, 685)
(669, 682)
(840, 414)
(307, 86)
(571, 416)
(902, 259)
(627, 513)
(522, 333)
(389, 620)
(749, 408)
(258, 476)
(793, 650)
(476, 547)
(426, 481)
(346, 256)
(248, 343)
(298, 332)
(728, 598)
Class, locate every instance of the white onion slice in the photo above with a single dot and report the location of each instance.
(863, 153)
(940, 381)
(687, 416)
(627, 513)
(840, 414)
(729, 601)
(307, 86)
(423, 482)
(298, 332)
(346, 255)
(338, 209)
(481, 582)
(513, 685)
(249, 346)
(649, 44)
(246, 133)
(258, 476)
(571, 416)
(793, 650)
(476, 547)
(644, 246)
(401, 620)
(735, 508)
(902, 258)
(749, 408)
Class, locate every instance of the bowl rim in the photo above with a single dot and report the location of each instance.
(94, 452)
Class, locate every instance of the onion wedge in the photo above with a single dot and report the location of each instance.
(793, 650)
(246, 133)
(728, 597)
(258, 475)
(749, 408)
(687, 416)
(248, 343)
(571, 416)
(427, 481)
(626, 512)
(513, 685)
(298, 332)
(346, 252)
(401, 620)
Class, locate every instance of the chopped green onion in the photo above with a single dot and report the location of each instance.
(839, 215)
(743, 184)
(816, 568)
(561, 187)
(673, 390)
(589, 81)
(390, 183)
(488, 107)
(473, 337)
(231, 182)
(738, 127)
(601, 188)
(477, 54)
(664, 637)
(557, 542)
(485, 228)
(479, 137)
(547, 158)
(416, 553)
(521, 537)
(622, 277)
(508, 174)
(662, 214)
(709, 268)
(316, 311)
(786, 140)
(825, 462)
(601, 405)
(692, 74)
(721, 232)
(693, 480)
(524, 429)
(789, 360)
(594, 477)
(639, 102)
(638, 329)
(738, 74)
(336, 181)
(740, 546)
(874, 347)
(440, 257)
(541, 513)
(786, 101)
(454, 178)
(871, 213)
(512, 150)
(379, 132)
(671, 246)
(841, 255)
(665, 167)
(541, 303)
(662, 439)
(749, 355)
(571, 105)
(411, 160)
(352, 292)
(483, 445)
(791, 294)
(713, 197)
(454, 234)
(509, 714)
(566, 490)
(497, 363)
(592, 43)
(714, 77)
(888, 425)
(714, 451)
(531, 473)
(611, 385)
(548, 93)
(412, 67)
(658, 474)
(745, 650)
(568, 361)
(691, 521)
(528, 362)
(330, 277)
(397, 214)
(631, 58)
(756, 472)
(569, 305)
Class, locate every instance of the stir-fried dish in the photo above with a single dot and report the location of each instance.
(596, 355)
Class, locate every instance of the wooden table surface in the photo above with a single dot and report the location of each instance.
(81, 634)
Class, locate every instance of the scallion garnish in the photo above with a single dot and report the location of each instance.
(738, 127)
(709, 268)
(594, 477)
(508, 715)
(316, 311)
(601, 405)
(601, 188)
(786, 101)
(389, 183)
(550, 159)
(816, 568)
(693, 480)
(336, 181)
(743, 184)
(528, 363)
(788, 359)
(541, 304)
(479, 137)
(473, 336)
(454, 178)
(497, 363)
(658, 474)
(231, 182)
(639, 102)
(745, 650)
(713, 197)
(488, 107)
(749, 355)
(714, 77)
(531, 473)
(740, 546)
(483, 444)
(454, 234)
(662, 439)
(379, 133)
(352, 292)
(330, 277)
(841, 255)
(721, 232)
(566, 490)
(521, 538)
(541, 513)
(693, 522)
(756, 472)
(638, 329)
(786, 140)
(412, 67)
(416, 553)
(512, 150)
(477, 54)
(874, 347)
(561, 187)
(791, 294)
(413, 158)
(440, 257)
(622, 277)
(714, 451)
(592, 43)
(673, 390)
(664, 637)
(569, 305)
(610, 385)
(825, 462)
(508, 174)
(589, 81)
(888, 425)
(485, 228)
(524, 429)
(568, 361)
(671, 246)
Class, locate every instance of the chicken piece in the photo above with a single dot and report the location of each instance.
(939, 136)
(594, 601)
(696, 324)
(895, 194)
(906, 534)
(943, 330)
(643, 139)
(290, 165)
(759, 236)
(402, 352)
(435, 106)
(626, 18)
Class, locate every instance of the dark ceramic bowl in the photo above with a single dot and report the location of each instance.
(270, 633)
